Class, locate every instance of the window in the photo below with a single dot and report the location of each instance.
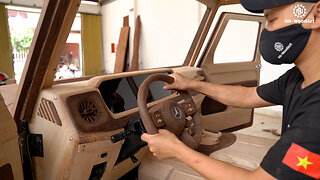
(22, 23)
(237, 43)
(235, 8)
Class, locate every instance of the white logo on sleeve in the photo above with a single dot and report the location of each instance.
(299, 11)
(278, 46)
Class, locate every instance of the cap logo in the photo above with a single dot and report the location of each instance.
(299, 10)
(278, 46)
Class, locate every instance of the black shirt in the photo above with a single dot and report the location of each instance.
(300, 125)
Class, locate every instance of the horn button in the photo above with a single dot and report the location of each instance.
(169, 115)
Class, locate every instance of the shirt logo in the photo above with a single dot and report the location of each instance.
(278, 46)
(299, 11)
(303, 161)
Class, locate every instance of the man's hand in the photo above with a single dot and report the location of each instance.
(163, 145)
(166, 145)
(180, 83)
(235, 96)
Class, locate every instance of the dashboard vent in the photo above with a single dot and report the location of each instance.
(48, 111)
(88, 111)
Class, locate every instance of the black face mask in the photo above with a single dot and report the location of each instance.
(284, 45)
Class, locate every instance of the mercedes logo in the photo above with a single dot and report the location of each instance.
(176, 112)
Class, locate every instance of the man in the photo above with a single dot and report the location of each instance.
(297, 154)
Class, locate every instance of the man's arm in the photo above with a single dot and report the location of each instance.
(236, 96)
(215, 169)
(167, 145)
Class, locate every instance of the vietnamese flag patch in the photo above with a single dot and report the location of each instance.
(302, 160)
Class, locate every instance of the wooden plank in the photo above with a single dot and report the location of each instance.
(209, 3)
(49, 39)
(122, 50)
(136, 44)
(214, 3)
(125, 21)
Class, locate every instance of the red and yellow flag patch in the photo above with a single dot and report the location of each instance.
(303, 161)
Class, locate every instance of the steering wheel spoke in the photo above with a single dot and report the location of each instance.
(189, 108)
(157, 117)
(189, 122)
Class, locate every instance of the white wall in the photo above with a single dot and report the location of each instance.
(167, 30)
(112, 21)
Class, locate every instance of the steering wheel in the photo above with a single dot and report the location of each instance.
(179, 116)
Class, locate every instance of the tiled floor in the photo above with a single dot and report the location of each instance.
(263, 122)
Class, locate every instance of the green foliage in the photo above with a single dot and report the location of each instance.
(21, 39)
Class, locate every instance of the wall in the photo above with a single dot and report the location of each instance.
(167, 30)
(112, 21)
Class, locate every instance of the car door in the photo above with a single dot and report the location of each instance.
(231, 57)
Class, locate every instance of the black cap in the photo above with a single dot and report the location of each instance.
(257, 6)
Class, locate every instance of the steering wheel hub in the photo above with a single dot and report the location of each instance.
(168, 115)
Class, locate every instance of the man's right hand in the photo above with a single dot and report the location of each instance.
(235, 96)
(180, 83)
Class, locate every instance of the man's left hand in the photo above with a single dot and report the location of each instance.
(163, 145)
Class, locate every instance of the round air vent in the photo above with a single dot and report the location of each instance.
(88, 111)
